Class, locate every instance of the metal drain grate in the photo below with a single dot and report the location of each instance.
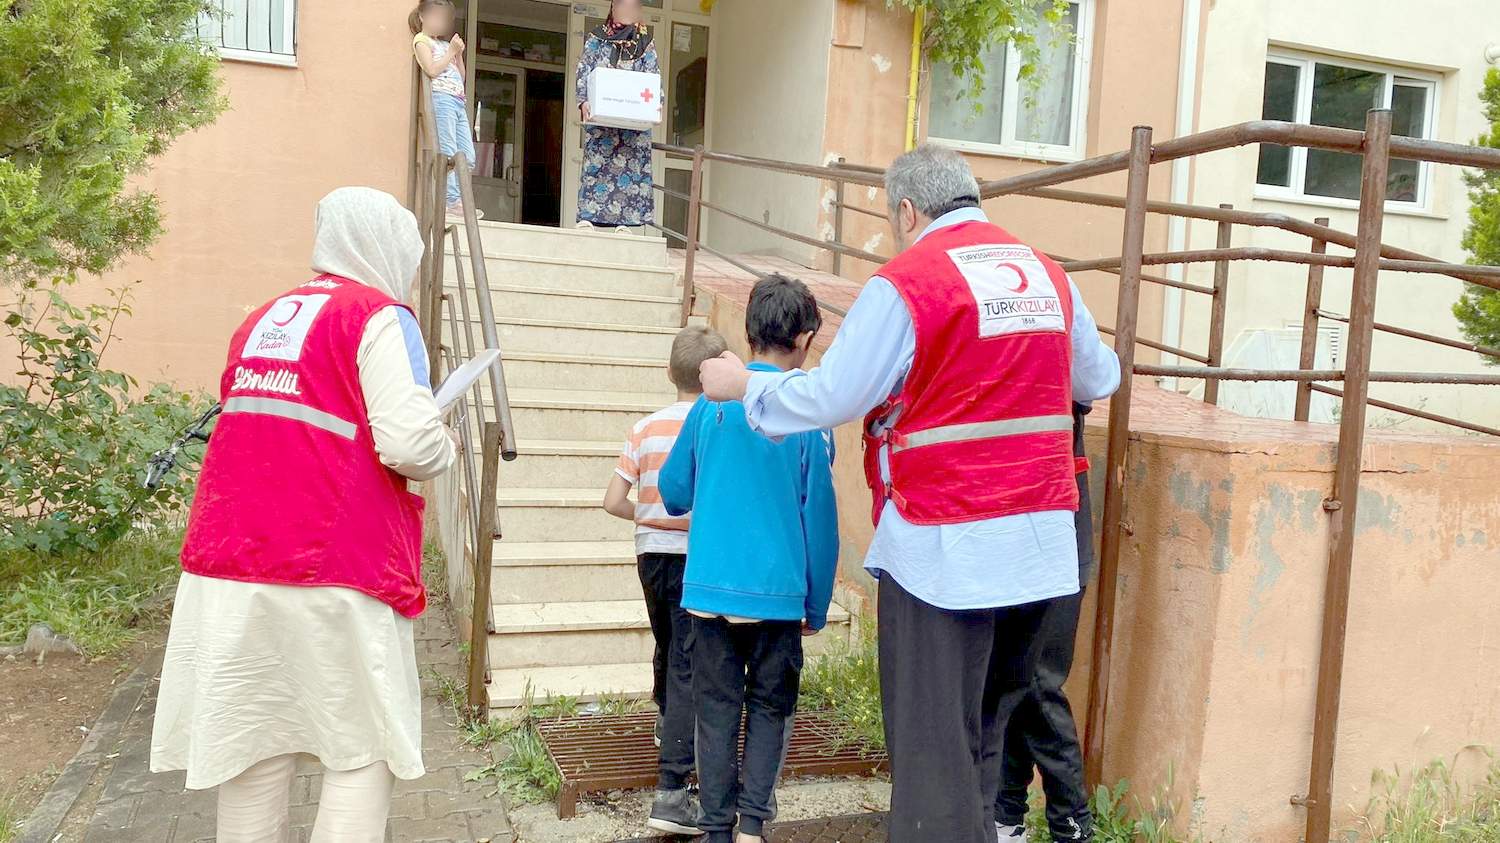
(599, 753)
(857, 828)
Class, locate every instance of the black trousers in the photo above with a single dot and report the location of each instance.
(755, 668)
(1042, 733)
(672, 688)
(949, 681)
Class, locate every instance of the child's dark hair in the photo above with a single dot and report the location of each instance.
(780, 310)
(414, 20)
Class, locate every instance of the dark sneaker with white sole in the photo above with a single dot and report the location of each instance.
(656, 732)
(674, 812)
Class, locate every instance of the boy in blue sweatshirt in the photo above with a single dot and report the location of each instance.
(762, 550)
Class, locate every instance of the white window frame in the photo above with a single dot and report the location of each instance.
(1010, 146)
(1394, 74)
(288, 34)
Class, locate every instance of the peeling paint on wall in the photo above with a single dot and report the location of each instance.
(871, 193)
(827, 231)
(830, 196)
(874, 242)
(1274, 517)
(881, 63)
(1376, 510)
(1197, 497)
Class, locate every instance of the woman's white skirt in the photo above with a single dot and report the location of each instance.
(253, 671)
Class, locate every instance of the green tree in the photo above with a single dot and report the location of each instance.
(1478, 310)
(90, 90)
(958, 33)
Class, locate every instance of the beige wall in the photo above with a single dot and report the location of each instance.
(238, 196)
(770, 88)
(1448, 37)
(1133, 81)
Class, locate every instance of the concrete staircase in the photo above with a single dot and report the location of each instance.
(586, 321)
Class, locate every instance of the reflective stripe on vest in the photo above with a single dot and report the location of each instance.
(291, 410)
(980, 430)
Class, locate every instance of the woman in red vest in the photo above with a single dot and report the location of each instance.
(292, 627)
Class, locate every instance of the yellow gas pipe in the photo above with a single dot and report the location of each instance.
(914, 77)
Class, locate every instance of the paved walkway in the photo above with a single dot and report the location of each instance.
(135, 805)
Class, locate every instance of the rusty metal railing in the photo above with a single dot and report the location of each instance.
(483, 425)
(1377, 146)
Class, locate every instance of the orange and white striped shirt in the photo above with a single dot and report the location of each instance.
(645, 452)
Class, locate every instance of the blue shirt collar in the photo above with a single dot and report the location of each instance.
(955, 217)
(760, 366)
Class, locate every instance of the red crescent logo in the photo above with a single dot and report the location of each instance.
(1019, 272)
(296, 308)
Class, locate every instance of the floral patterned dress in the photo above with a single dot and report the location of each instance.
(616, 185)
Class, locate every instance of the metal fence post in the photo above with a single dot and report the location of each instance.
(1119, 432)
(1345, 500)
(479, 627)
(432, 284)
(838, 221)
(1216, 314)
(694, 211)
(1308, 355)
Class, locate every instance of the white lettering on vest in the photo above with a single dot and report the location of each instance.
(282, 329)
(279, 381)
(322, 284)
(1013, 292)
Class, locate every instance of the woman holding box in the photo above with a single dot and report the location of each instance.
(615, 190)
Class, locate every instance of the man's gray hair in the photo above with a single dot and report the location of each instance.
(932, 177)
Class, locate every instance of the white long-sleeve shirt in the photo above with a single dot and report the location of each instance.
(1005, 561)
(404, 419)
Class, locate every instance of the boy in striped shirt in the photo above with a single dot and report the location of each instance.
(661, 542)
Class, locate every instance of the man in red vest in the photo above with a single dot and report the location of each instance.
(964, 353)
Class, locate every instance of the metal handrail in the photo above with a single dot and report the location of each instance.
(490, 422)
(1377, 147)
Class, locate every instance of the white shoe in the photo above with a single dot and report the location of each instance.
(1012, 833)
(584, 224)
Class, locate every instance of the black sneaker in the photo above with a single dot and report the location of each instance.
(656, 732)
(674, 812)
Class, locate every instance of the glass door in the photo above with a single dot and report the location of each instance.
(499, 136)
(685, 84)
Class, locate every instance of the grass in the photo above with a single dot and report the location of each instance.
(526, 772)
(1433, 805)
(846, 682)
(1117, 822)
(10, 817)
(99, 602)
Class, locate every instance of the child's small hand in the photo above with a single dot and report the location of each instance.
(807, 631)
(457, 42)
(585, 112)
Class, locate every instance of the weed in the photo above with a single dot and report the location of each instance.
(846, 682)
(97, 600)
(1115, 821)
(1432, 805)
(617, 704)
(10, 817)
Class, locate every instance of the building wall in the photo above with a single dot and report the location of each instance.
(1133, 81)
(1447, 37)
(770, 90)
(238, 196)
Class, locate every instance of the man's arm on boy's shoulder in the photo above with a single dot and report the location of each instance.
(676, 478)
(820, 525)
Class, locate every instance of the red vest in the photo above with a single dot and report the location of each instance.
(292, 491)
(982, 426)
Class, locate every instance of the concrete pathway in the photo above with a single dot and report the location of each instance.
(135, 805)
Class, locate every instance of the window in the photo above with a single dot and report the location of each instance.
(1339, 93)
(252, 30)
(1044, 122)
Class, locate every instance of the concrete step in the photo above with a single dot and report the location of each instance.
(563, 463)
(553, 514)
(596, 632)
(518, 239)
(525, 572)
(582, 413)
(508, 687)
(605, 307)
(586, 373)
(559, 336)
(563, 272)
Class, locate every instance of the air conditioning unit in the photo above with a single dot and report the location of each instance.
(1278, 348)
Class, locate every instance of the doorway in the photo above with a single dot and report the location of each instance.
(528, 135)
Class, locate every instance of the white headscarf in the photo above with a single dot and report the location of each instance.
(365, 235)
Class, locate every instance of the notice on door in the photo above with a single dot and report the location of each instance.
(682, 38)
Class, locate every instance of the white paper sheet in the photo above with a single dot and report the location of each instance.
(460, 379)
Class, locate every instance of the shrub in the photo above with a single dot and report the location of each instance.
(76, 436)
